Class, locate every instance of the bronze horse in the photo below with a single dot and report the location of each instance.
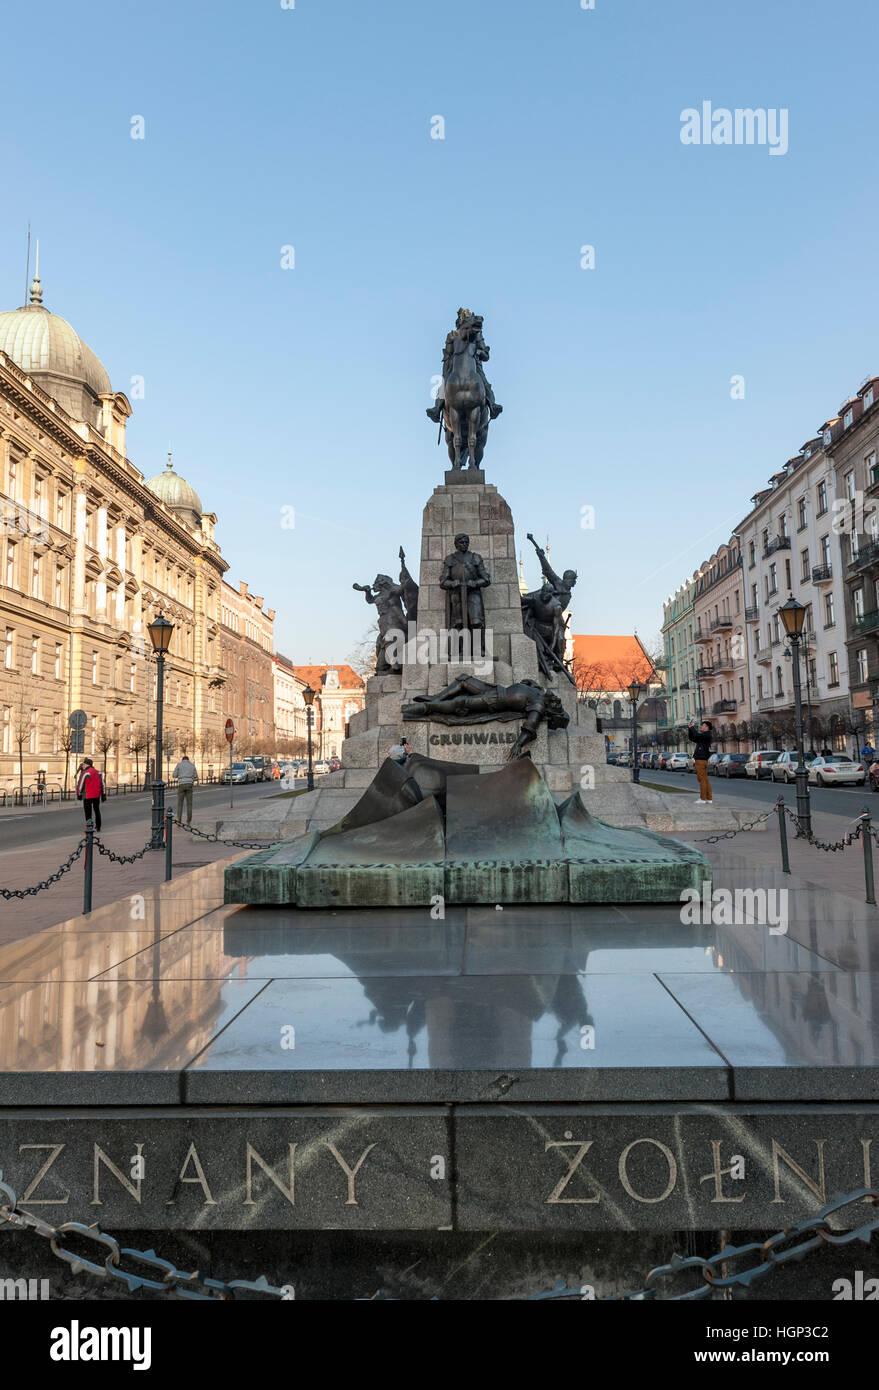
(466, 405)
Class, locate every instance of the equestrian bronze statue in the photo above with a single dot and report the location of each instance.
(465, 400)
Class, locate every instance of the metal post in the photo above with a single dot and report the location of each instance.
(636, 771)
(169, 837)
(231, 792)
(804, 804)
(310, 768)
(868, 856)
(782, 835)
(157, 839)
(87, 865)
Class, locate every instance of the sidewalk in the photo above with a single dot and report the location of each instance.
(23, 868)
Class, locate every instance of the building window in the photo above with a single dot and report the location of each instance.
(801, 513)
(765, 538)
(858, 602)
(850, 485)
(35, 656)
(868, 398)
(59, 586)
(773, 578)
(10, 565)
(804, 564)
(861, 657)
(752, 554)
(9, 659)
(35, 578)
(61, 510)
(829, 612)
(779, 681)
(847, 419)
(870, 466)
(56, 731)
(833, 668)
(782, 524)
(94, 668)
(787, 578)
(59, 652)
(822, 498)
(759, 687)
(132, 677)
(825, 551)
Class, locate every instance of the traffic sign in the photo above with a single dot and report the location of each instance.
(77, 741)
(78, 719)
(230, 731)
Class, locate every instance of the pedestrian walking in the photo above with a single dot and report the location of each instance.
(702, 738)
(90, 791)
(186, 777)
(868, 753)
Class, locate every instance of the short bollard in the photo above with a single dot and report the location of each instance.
(169, 838)
(87, 866)
(782, 835)
(867, 838)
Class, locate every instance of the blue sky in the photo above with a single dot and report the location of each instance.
(310, 127)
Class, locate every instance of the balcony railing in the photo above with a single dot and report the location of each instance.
(822, 574)
(765, 701)
(867, 623)
(867, 555)
(724, 663)
(752, 615)
(722, 623)
(777, 543)
(704, 673)
(701, 634)
(724, 706)
(763, 655)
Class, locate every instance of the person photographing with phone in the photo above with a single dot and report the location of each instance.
(702, 738)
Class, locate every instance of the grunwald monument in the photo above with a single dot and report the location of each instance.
(490, 806)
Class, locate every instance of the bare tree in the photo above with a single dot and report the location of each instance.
(138, 742)
(362, 658)
(21, 727)
(105, 740)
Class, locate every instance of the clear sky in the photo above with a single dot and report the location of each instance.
(310, 127)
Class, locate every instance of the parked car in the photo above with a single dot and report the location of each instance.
(827, 772)
(713, 760)
(760, 762)
(676, 762)
(784, 768)
(239, 772)
(261, 766)
(873, 776)
(321, 767)
(732, 765)
(335, 764)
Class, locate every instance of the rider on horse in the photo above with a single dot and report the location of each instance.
(470, 323)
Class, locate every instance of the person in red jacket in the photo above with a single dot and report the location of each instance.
(90, 791)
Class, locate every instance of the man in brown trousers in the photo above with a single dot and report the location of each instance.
(702, 738)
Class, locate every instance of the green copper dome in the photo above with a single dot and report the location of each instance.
(176, 493)
(45, 346)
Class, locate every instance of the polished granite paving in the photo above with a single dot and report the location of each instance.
(171, 996)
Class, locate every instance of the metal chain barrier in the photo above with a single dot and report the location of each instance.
(46, 882)
(215, 839)
(848, 839)
(121, 858)
(731, 834)
(176, 1282)
(763, 1256)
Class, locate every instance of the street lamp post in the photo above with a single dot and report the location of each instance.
(793, 615)
(308, 696)
(635, 690)
(160, 631)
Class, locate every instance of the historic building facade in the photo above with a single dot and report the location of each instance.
(723, 693)
(340, 693)
(682, 658)
(91, 553)
(291, 724)
(247, 645)
(790, 545)
(851, 445)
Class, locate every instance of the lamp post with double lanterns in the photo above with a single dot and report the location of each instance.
(308, 696)
(793, 616)
(635, 690)
(160, 631)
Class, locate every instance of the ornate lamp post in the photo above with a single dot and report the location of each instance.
(635, 690)
(308, 696)
(160, 631)
(793, 615)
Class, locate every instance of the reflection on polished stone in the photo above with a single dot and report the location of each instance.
(817, 1033)
(470, 1023)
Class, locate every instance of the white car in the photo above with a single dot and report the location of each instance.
(760, 762)
(784, 769)
(676, 762)
(827, 772)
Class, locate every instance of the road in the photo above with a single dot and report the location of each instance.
(833, 801)
(24, 827)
